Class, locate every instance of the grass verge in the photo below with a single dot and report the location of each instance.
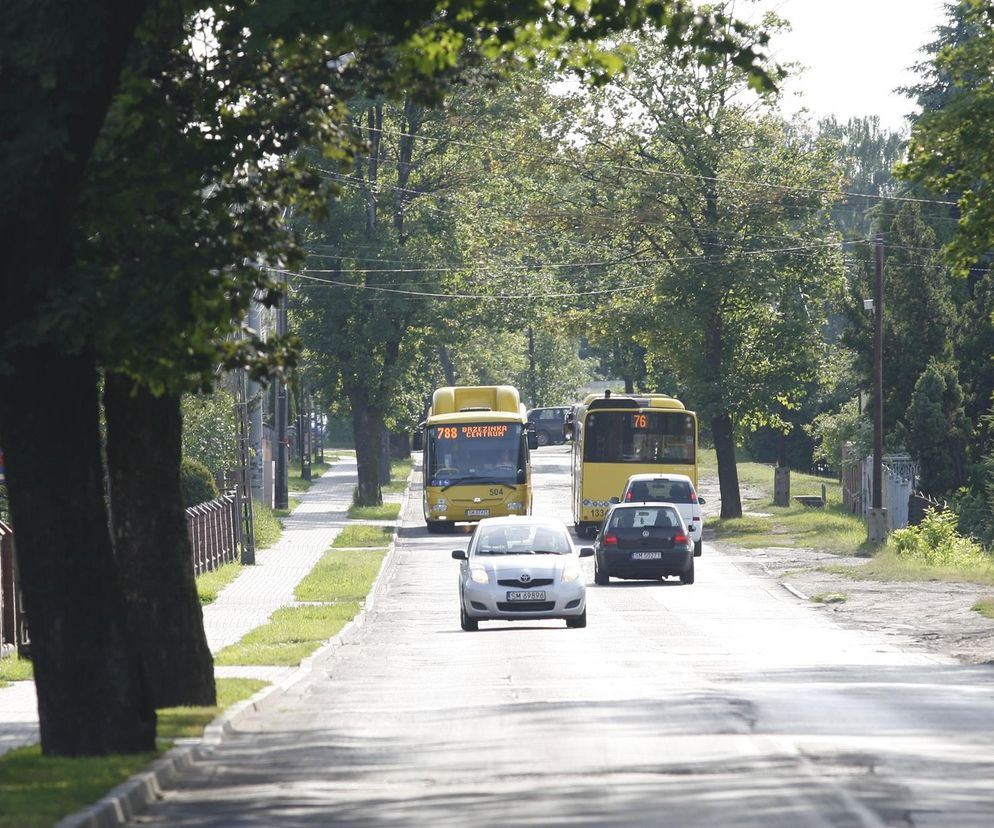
(211, 583)
(290, 635)
(385, 511)
(293, 633)
(831, 528)
(189, 722)
(985, 607)
(887, 566)
(37, 791)
(267, 526)
(358, 534)
(830, 598)
(15, 668)
(400, 470)
(341, 575)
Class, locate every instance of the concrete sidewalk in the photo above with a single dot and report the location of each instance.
(245, 603)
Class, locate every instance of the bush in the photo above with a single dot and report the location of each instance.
(936, 542)
(197, 482)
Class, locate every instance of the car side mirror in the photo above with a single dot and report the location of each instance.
(615, 500)
(586, 551)
(701, 500)
(459, 554)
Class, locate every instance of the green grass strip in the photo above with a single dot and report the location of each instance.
(37, 791)
(341, 575)
(267, 526)
(985, 607)
(189, 722)
(290, 635)
(385, 511)
(358, 534)
(400, 470)
(830, 528)
(211, 583)
(15, 668)
(887, 566)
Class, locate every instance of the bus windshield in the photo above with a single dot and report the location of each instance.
(639, 437)
(468, 452)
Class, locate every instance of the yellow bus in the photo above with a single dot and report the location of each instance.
(615, 436)
(475, 442)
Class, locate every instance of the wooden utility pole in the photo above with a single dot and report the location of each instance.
(877, 517)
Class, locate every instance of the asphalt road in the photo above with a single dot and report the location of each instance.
(725, 703)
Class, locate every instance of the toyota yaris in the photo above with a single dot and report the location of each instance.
(520, 568)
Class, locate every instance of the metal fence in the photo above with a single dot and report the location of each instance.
(900, 472)
(215, 531)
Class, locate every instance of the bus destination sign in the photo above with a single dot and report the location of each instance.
(472, 432)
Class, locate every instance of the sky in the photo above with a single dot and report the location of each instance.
(856, 51)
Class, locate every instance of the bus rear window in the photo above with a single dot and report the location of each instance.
(639, 437)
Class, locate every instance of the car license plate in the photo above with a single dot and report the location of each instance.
(527, 595)
(477, 513)
(646, 556)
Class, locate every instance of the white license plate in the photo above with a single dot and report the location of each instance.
(527, 595)
(477, 513)
(646, 556)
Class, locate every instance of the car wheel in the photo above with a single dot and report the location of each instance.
(687, 576)
(579, 622)
(543, 438)
(601, 578)
(468, 624)
(698, 548)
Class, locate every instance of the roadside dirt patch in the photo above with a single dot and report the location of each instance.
(934, 616)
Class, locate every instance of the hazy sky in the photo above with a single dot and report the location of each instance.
(856, 51)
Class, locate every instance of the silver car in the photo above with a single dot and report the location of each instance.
(520, 568)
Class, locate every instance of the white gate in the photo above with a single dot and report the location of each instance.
(899, 475)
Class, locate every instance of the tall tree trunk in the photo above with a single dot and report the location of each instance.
(151, 544)
(728, 472)
(366, 431)
(446, 363)
(92, 696)
(385, 455)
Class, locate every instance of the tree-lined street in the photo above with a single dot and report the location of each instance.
(726, 702)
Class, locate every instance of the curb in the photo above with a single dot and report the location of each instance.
(794, 591)
(126, 801)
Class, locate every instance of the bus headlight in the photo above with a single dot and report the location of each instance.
(479, 575)
(440, 505)
(514, 504)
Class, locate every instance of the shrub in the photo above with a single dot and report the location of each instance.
(197, 482)
(936, 542)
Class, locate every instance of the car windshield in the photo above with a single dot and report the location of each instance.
(644, 518)
(661, 490)
(522, 539)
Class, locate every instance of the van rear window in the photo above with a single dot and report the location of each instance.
(667, 491)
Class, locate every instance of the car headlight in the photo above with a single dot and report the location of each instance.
(479, 575)
(514, 505)
(572, 572)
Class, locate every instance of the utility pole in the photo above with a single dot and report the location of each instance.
(876, 526)
(281, 496)
(303, 431)
(255, 400)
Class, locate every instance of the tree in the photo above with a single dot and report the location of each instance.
(938, 429)
(726, 207)
(952, 148)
